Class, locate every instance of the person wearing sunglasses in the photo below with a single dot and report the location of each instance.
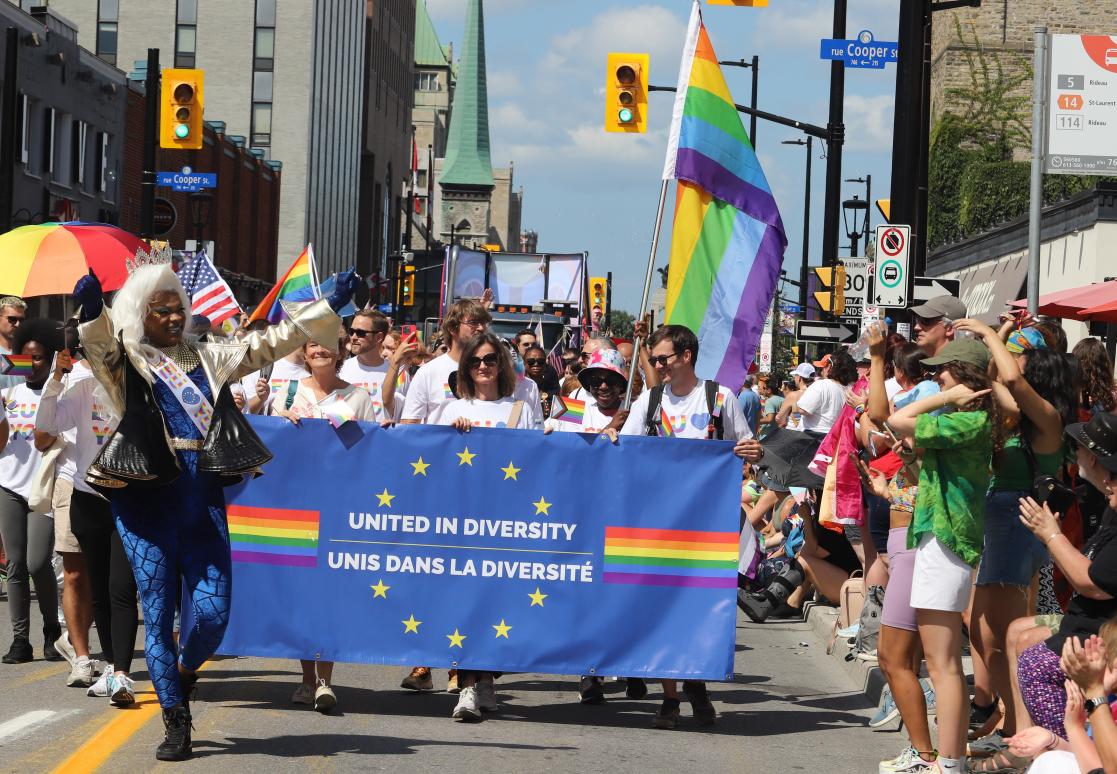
(934, 323)
(13, 310)
(367, 368)
(605, 379)
(543, 374)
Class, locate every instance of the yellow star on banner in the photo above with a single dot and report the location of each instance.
(455, 639)
(411, 625)
(465, 457)
(385, 498)
(537, 598)
(420, 467)
(542, 507)
(380, 590)
(502, 629)
(511, 471)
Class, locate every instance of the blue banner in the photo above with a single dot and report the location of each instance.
(501, 550)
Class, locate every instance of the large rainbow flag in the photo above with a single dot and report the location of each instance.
(298, 284)
(728, 240)
(671, 557)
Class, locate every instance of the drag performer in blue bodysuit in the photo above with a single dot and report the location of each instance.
(180, 439)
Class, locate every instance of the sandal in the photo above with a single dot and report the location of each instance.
(1002, 762)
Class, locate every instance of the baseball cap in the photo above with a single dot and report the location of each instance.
(961, 351)
(941, 306)
(1099, 436)
(824, 362)
(804, 370)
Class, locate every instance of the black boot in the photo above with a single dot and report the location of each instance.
(50, 636)
(176, 744)
(186, 686)
(20, 652)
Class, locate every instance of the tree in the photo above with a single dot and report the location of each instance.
(621, 324)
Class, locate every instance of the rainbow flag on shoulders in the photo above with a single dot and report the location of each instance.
(273, 536)
(300, 283)
(671, 557)
(728, 240)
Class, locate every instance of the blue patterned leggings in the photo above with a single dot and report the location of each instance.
(174, 544)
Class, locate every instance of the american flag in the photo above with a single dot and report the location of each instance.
(209, 294)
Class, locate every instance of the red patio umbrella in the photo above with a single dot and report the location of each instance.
(1073, 302)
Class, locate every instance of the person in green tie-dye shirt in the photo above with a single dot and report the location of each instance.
(957, 447)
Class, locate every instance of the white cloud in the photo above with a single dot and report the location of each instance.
(868, 122)
(512, 119)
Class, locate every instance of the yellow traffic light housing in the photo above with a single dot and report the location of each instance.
(833, 299)
(407, 286)
(884, 206)
(180, 115)
(626, 93)
(597, 292)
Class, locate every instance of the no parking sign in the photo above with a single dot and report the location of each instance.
(893, 244)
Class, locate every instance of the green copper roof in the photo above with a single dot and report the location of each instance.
(428, 49)
(467, 148)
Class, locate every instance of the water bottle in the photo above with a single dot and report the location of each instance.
(860, 350)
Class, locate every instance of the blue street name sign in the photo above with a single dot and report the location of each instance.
(186, 179)
(861, 52)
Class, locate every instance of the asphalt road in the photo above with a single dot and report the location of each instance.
(789, 709)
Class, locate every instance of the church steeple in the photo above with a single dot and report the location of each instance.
(468, 161)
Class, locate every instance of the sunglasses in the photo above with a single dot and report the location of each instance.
(661, 360)
(928, 322)
(358, 332)
(12, 320)
(585, 355)
(593, 382)
(534, 361)
(490, 360)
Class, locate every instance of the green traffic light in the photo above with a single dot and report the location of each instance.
(625, 115)
(182, 131)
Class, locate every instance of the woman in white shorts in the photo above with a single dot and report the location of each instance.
(947, 525)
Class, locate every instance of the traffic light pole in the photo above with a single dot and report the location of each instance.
(834, 141)
(151, 128)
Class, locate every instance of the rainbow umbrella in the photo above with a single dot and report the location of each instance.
(48, 258)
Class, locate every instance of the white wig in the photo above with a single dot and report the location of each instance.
(132, 303)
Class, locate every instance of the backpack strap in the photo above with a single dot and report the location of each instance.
(514, 415)
(716, 428)
(292, 390)
(653, 423)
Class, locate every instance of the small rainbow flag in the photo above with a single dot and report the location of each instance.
(336, 411)
(665, 421)
(273, 536)
(570, 410)
(671, 557)
(16, 365)
(298, 284)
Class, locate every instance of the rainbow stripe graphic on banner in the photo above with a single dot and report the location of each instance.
(16, 365)
(671, 557)
(728, 239)
(273, 536)
(574, 410)
(296, 285)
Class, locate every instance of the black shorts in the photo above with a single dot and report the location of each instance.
(840, 552)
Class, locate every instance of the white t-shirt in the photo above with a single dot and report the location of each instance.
(891, 387)
(820, 405)
(20, 459)
(371, 380)
(307, 405)
(688, 416)
(72, 409)
(487, 413)
(593, 420)
(429, 392)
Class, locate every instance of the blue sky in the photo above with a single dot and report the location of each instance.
(585, 189)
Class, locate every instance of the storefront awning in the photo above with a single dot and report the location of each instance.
(1083, 302)
(988, 289)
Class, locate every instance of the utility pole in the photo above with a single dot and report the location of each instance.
(151, 129)
(834, 142)
(9, 128)
(754, 66)
(809, 142)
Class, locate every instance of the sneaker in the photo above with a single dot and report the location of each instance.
(101, 687)
(887, 711)
(324, 698)
(63, 646)
(19, 653)
(304, 694)
(176, 744)
(122, 691)
(81, 673)
(700, 703)
(590, 691)
(866, 655)
(850, 631)
(452, 682)
(486, 696)
(928, 695)
(467, 708)
(635, 688)
(907, 762)
(419, 680)
(988, 745)
(667, 716)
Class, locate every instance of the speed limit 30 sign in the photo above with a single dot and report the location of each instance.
(891, 287)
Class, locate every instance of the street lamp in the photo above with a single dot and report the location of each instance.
(200, 204)
(806, 224)
(855, 210)
(866, 181)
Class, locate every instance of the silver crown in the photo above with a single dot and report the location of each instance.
(157, 257)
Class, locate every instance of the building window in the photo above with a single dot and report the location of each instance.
(48, 143)
(263, 65)
(427, 82)
(261, 123)
(78, 136)
(101, 162)
(108, 14)
(186, 33)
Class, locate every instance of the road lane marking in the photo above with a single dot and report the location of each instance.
(41, 674)
(23, 724)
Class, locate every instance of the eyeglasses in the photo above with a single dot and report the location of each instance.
(475, 323)
(661, 360)
(358, 333)
(584, 355)
(534, 361)
(489, 361)
(928, 322)
(13, 320)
